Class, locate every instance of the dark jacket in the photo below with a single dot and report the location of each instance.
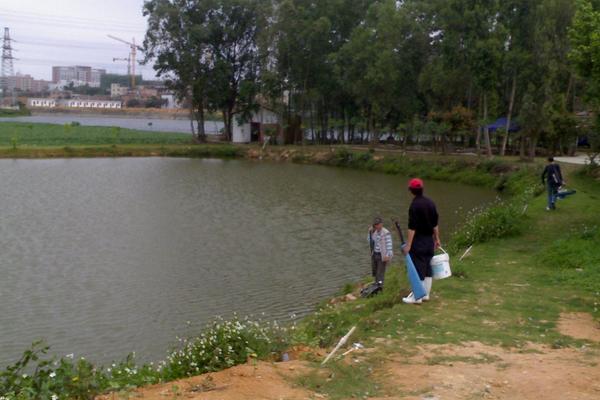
(553, 175)
(422, 216)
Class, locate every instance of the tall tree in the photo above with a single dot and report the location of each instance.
(380, 64)
(175, 42)
(208, 49)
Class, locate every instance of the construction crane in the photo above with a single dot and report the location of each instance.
(128, 59)
(133, 48)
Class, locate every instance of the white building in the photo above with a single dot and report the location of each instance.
(254, 130)
(171, 101)
(116, 90)
(73, 103)
(78, 75)
(78, 103)
(39, 102)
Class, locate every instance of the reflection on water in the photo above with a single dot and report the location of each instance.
(101, 257)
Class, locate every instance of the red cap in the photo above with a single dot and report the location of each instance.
(415, 183)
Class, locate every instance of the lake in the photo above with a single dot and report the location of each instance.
(101, 257)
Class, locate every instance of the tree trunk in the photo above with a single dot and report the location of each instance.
(200, 121)
(227, 121)
(192, 118)
(511, 104)
(478, 137)
(522, 154)
(532, 146)
(486, 130)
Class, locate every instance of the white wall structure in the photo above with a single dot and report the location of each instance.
(117, 90)
(172, 102)
(78, 103)
(73, 103)
(37, 102)
(242, 133)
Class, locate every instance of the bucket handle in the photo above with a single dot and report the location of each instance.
(442, 249)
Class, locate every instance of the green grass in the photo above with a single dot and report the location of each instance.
(14, 113)
(15, 134)
(508, 292)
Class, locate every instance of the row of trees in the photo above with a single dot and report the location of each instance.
(392, 66)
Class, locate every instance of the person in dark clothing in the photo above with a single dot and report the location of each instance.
(552, 178)
(423, 236)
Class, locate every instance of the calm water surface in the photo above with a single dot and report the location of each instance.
(101, 257)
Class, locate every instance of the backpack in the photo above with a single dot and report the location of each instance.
(371, 290)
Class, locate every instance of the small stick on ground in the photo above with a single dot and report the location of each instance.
(340, 344)
(465, 253)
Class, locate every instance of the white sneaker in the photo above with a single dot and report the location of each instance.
(410, 299)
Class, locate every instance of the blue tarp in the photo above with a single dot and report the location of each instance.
(500, 124)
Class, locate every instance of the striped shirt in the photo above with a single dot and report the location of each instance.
(382, 240)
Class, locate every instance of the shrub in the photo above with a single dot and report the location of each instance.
(501, 219)
(221, 345)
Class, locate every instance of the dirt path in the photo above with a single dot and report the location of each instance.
(475, 371)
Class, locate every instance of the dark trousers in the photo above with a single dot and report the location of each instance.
(378, 267)
(421, 252)
(552, 194)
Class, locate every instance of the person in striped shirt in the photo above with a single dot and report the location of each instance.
(380, 240)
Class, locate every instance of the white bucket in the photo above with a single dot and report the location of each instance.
(440, 266)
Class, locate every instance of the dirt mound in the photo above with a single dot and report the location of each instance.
(579, 326)
(260, 381)
(479, 371)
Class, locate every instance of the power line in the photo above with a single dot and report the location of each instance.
(67, 45)
(73, 25)
(64, 18)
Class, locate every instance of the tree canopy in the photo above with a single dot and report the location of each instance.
(355, 67)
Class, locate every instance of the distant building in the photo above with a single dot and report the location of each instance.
(41, 103)
(147, 92)
(96, 77)
(26, 83)
(262, 124)
(73, 103)
(116, 90)
(91, 103)
(170, 101)
(78, 75)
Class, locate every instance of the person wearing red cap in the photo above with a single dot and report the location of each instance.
(423, 236)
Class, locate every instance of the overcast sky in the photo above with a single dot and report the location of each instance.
(72, 32)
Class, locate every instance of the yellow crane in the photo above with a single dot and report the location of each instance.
(133, 48)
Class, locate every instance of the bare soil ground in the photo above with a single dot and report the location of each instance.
(434, 372)
(260, 381)
(476, 371)
(579, 326)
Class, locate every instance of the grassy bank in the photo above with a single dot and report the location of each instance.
(14, 113)
(527, 267)
(509, 291)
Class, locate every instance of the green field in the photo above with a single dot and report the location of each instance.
(16, 134)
